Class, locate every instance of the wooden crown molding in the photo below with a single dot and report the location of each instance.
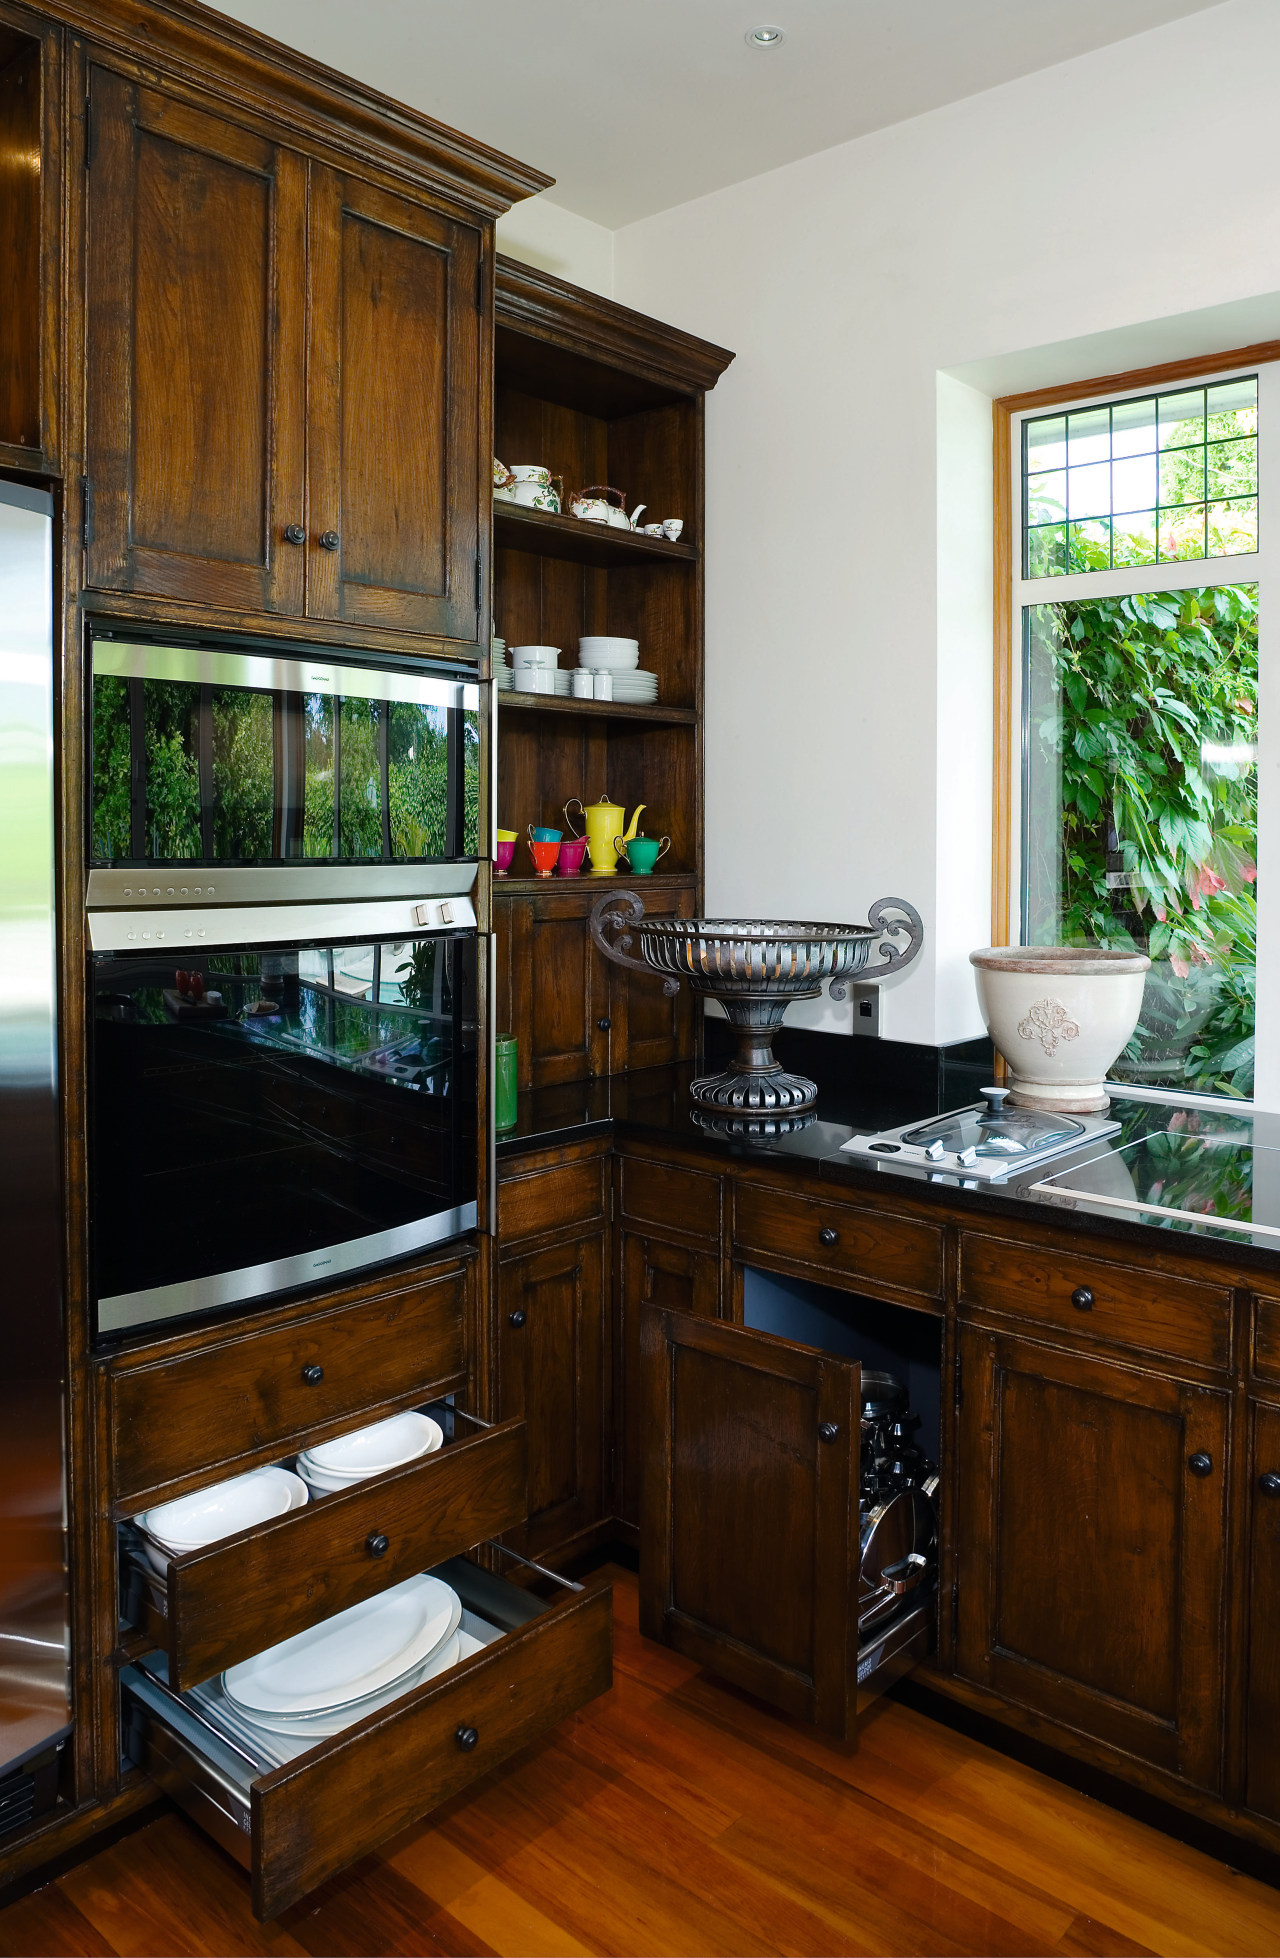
(201, 45)
(537, 303)
(1135, 380)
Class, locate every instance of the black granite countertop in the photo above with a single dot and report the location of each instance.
(653, 1105)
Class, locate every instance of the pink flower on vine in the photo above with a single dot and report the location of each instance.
(1180, 966)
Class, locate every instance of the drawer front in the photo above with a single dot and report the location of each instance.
(299, 1824)
(1266, 1338)
(1146, 1310)
(206, 1408)
(673, 1199)
(239, 1596)
(839, 1240)
(551, 1199)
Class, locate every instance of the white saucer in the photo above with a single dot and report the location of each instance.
(348, 1656)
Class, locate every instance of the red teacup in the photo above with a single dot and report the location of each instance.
(503, 851)
(572, 851)
(544, 857)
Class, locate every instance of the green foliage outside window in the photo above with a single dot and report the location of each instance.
(112, 815)
(1149, 743)
(171, 710)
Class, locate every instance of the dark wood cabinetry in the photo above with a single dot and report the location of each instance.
(598, 394)
(283, 402)
(1091, 1543)
(31, 67)
(1262, 1723)
(750, 1511)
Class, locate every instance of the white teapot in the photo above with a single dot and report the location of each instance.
(600, 504)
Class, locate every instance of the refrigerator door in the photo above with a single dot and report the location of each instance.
(34, 1671)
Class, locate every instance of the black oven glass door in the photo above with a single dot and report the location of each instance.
(205, 756)
(269, 1119)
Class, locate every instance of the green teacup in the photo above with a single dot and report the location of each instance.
(643, 852)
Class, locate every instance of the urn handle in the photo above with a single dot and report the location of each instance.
(892, 959)
(617, 912)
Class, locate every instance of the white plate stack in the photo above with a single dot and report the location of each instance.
(620, 658)
(322, 1680)
(192, 1522)
(501, 665)
(386, 1445)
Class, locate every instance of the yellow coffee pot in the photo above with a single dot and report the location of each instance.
(604, 820)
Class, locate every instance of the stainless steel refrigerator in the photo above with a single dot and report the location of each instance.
(35, 1708)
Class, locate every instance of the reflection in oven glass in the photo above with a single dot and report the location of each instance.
(251, 1106)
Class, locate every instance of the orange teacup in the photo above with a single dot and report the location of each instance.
(544, 856)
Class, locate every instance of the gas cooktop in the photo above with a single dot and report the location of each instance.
(983, 1143)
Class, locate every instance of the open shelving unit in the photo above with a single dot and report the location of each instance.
(596, 394)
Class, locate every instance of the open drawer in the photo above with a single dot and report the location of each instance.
(293, 1826)
(221, 1604)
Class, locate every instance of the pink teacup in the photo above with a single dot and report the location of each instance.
(572, 851)
(503, 851)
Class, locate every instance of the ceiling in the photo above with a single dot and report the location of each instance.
(635, 105)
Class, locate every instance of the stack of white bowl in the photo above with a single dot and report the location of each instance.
(501, 666)
(192, 1522)
(620, 658)
(390, 1444)
(319, 1681)
(537, 670)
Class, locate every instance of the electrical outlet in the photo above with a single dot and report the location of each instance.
(866, 1010)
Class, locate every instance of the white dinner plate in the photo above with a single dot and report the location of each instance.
(350, 1655)
(373, 1450)
(331, 1720)
(194, 1521)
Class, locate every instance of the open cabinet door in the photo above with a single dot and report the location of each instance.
(749, 1548)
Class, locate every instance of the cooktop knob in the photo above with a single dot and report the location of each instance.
(934, 1151)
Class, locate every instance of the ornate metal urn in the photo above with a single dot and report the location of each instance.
(755, 969)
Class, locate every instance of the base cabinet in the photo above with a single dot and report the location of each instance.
(551, 1314)
(1262, 1728)
(749, 1551)
(659, 1271)
(1090, 1531)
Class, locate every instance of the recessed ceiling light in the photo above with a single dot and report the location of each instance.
(764, 37)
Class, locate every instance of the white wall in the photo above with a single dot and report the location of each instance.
(848, 552)
(559, 241)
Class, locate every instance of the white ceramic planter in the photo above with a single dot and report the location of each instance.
(1059, 1015)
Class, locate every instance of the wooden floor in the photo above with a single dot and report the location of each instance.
(674, 1816)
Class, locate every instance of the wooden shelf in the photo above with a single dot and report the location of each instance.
(617, 710)
(587, 880)
(516, 528)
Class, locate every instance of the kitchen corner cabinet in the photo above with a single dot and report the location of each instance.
(1091, 1541)
(284, 371)
(750, 1511)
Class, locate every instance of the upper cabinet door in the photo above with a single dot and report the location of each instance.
(749, 1548)
(395, 434)
(196, 347)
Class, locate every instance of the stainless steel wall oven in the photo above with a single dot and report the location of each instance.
(284, 974)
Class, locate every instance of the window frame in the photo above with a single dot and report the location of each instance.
(1013, 592)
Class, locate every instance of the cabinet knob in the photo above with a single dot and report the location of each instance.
(329, 540)
(376, 1544)
(828, 1236)
(1200, 1463)
(313, 1375)
(1269, 1483)
(517, 1318)
(467, 1737)
(1082, 1299)
(828, 1431)
(604, 1025)
(294, 534)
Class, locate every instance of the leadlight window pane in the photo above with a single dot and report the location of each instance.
(1159, 479)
